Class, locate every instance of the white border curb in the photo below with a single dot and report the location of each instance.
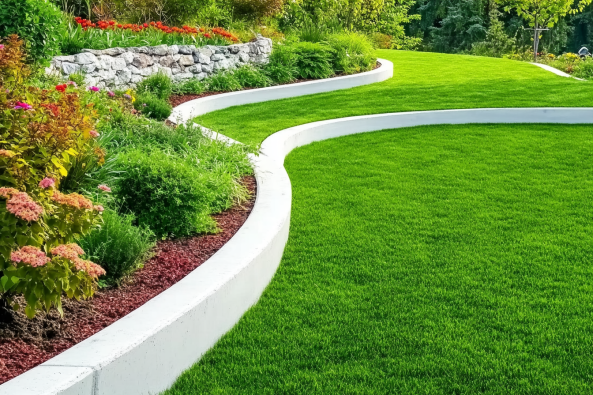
(144, 352)
(556, 71)
(194, 108)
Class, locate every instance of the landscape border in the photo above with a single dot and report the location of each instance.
(144, 352)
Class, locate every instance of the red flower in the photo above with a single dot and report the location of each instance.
(61, 88)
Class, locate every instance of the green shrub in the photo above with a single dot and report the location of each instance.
(252, 77)
(118, 246)
(584, 69)
(188, 87)
(153, 107)
(166, 193)
(158, 85)
(282, 67)
(38, 22)
(353, 53)
(223, 82)
(314, 60)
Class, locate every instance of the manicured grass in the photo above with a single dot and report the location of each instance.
(430, 260)
(422, 81)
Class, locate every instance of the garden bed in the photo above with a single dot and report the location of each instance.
(26, 343)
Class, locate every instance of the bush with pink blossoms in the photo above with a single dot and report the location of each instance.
(42, 133)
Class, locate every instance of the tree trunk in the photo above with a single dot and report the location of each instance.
(535, 40)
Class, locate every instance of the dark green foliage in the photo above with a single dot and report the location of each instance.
(158, 85)
(252, 77)
(314, 60)
(282, 67)
(166, 193)
(38, 22)
(353, 53)
(224, 81)
(118, 246)
(153, 107)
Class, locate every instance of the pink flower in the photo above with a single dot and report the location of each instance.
(1, 47)
(22, 206)
(31, 255)
(69, 251)
(47, 182)
(7, 192)
(94, 134)
(104, 187)
(99, 208)
(74, 84)
(22, 106)
(73, 200)
(94, 89)
(111, 94)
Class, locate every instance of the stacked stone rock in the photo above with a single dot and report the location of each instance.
(122, 68)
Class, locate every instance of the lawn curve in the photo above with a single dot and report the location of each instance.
(434, 259)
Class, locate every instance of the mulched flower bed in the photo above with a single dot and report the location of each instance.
(176, 100)
(26, 343)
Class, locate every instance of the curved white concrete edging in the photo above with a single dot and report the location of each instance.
(144, 352)
(194, 108)
(556, 71)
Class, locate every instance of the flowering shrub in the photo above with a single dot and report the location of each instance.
(42, 132)
(107, 34)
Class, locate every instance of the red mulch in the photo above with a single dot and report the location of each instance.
(25, 343)
(176, 100)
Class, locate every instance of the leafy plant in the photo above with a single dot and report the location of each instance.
(166, 193)
(153, 107)
(353, 53)
(188, 87)
(158, 85)
(282, 66)
(224, 81)
(38, 22)
(314, 60)
(42, 133)
(118, 246)
(252, 77)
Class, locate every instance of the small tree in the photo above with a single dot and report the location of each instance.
(543, 13)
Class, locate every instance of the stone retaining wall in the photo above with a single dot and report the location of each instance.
(122, 68)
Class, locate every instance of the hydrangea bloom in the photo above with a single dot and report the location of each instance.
(70, 251)
(73, 200)
(94, 133)
(7, 192)
(47, 182)
(31, 255)
(22, 106)
(91, 268)
(104, 187)
(21, 205)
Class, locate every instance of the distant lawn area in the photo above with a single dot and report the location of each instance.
(422, 81)
(428, 260)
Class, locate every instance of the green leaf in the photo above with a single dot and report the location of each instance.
(30, 312)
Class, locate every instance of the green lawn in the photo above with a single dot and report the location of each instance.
(422, 81)
(429, 260)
